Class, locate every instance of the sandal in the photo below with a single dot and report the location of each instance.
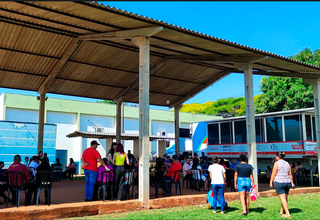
(244, 213)
(286, 216)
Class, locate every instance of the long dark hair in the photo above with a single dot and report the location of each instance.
(72, 161)
(112, 150)
(119, 148)
(159, 163)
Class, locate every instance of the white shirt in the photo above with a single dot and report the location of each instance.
(216, 171)
(186, 167)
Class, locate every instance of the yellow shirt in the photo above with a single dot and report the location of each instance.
(119, 161)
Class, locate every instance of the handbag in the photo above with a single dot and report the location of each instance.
(253, 193)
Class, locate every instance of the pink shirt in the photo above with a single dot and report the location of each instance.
(106, 177)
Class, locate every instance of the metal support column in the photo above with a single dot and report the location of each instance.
(118, 121)
(250, 119)
(144, 84)
(176, 128)
(41, 121)
(316, 95)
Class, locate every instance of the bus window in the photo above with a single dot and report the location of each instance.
(314, 128)
(308, 128)
(240, 132)
(293, 127)
(226, 133)
(213, 134)
(274, 129)
(259, 130)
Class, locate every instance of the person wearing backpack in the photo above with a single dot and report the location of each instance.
(298, 173)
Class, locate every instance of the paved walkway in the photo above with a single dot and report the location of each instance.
(68, 201)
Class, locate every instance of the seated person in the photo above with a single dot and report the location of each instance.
(17, 166)
(107, 177)
(268, 172)
(3, 183)
(71, 168)
(159, 167)
(44, 165)
(186, 171)
(176, 165)
(203, 176)
(33, 165)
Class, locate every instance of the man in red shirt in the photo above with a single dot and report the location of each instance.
(176, 165)
(89, 158)
(17, 166)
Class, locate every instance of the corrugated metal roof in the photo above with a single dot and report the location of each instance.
(104, 135)
(34, 36)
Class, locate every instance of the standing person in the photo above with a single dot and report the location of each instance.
(119, 158)
(218, 178)
(281, 180)
(131, 160)
(203, 157)
(40, 154)
(298, 173)
(243, 180)
(89, 159)
(111, 153)
(234, 163)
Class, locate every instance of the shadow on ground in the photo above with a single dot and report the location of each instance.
(295, 210)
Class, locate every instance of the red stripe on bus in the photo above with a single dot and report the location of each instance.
(226, 153)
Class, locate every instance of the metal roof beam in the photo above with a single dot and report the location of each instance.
(73, 46)
(200, 89)
(116, 35)
(219, 59)
(289, 74)
(135, 84)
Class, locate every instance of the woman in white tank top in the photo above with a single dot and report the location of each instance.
(281, 180)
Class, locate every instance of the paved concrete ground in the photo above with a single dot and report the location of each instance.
(68, 201)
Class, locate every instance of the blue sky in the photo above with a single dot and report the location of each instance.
(284, 28)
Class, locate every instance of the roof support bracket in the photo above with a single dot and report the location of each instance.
(127, 34)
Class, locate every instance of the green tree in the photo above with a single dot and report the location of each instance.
(282, 93)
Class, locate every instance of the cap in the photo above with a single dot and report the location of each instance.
(175, 157)
(94, 142)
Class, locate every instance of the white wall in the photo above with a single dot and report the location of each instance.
(1, 106)
(66, 124)
(22, 115)
(89, 122)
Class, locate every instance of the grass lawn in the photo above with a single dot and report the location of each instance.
(304, 206)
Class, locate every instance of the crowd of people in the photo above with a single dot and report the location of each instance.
(30, 177)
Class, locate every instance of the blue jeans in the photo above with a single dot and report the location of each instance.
(91, 177)
(218, 188)
(164, 184)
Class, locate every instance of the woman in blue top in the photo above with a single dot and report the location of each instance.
(243, 180)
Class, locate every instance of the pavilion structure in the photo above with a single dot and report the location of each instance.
(87, 49)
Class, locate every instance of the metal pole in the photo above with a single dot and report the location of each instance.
(144, 84)
(118, 121)
(250, 119)
(177, 128)
(41, 121)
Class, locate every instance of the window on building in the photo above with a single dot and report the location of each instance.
(226, 133)
(274, 129)
(293, 127)
(308, 127)
(240, 132)
(213, 134)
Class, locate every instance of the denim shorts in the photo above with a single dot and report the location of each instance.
(244, 184)
(282, 188)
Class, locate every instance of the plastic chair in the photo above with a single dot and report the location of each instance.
(158, 176)
(45, 184)
(108, 183)
(196, 176)
(176, 181)
(14, 185)
(57, 172)
(129, 182)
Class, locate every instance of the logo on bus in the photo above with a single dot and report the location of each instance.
(297, 147)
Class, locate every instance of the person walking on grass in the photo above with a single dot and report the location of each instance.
(218, 178)
(243, 181)
(89, 159)
(281, 179)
